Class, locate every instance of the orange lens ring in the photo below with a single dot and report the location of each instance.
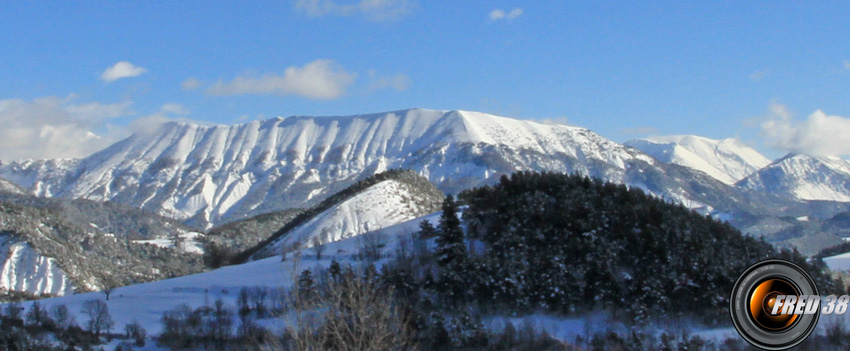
(759, 300)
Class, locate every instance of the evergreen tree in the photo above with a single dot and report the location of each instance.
(451, 254)
(335, 270)
(307, 289)
(427, 230)
(37, 315)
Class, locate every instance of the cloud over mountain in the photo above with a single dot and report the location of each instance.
(820, 134)
(320, 79)
(121, 70)
(51, 127)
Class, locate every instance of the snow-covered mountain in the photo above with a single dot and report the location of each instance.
(210, 175)
(804, 177)
(726, 160)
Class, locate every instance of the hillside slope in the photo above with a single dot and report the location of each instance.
(803, 177)
(377, 202)
(41, 252)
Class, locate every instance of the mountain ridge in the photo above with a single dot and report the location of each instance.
(210, 175)
(727, 160)
(805, 177)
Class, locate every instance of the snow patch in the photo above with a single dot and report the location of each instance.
(24, 269)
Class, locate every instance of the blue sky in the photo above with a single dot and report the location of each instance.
(79, 75)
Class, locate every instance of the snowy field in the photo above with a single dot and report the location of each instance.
(838, 262)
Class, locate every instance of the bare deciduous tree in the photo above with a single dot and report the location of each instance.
(98, 314)
(371, 245)
(318, 248)
(359, 314)
(108, 284)
(62, 317)
(363, 315)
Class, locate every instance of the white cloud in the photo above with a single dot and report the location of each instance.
(173, 108)
(120, 70)
(51, 127)
(499, 14)
(820, 134)
(514, 13)
(398, 82)
(320, 79)
(190, 84)
(171, 112)
(759, 75)
(847, 64)
(373, 10)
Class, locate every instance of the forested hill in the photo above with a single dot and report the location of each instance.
(568, 242)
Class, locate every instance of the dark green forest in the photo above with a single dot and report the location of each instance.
(568, 243)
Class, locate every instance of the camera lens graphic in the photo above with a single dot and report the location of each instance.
(754, 297)
(763, 299)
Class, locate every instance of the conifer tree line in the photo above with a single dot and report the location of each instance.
(568, 243)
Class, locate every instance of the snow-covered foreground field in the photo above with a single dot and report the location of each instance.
(838, 262)
(147, 302)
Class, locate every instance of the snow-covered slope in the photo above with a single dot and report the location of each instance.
(210, 175)
(147, 302)
(9, 187)
(838, 262)
(804, 177)
(382, 205)
(42, 252)
(34, 174)
(726, 160)
(22, 268)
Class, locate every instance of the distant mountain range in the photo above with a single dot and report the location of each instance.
(209, 176)
(803, 177)
(726, 160)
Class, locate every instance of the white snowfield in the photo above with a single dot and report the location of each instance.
(22, 268)
(838, 262)
(382, 205)
(804, 177)
(146, 302)
(211, 174)
(727, 160)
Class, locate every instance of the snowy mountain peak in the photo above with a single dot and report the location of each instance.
(726, 160)
(804, 177)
